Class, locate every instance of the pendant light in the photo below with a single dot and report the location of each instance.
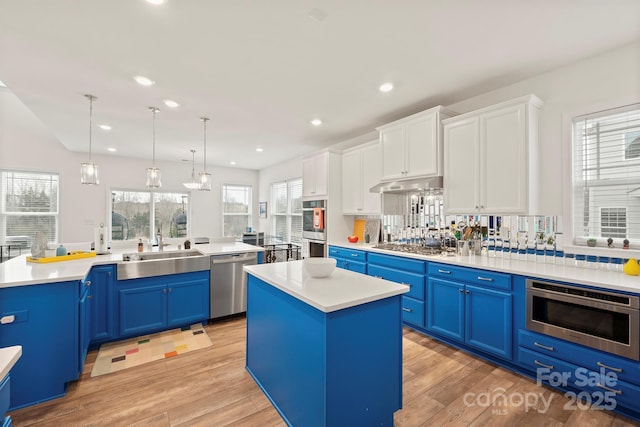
(153, 173)
(193, 184)
(89, 170)
(205, 178)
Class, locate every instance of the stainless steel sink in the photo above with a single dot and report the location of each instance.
(149, 264)
(144, 256)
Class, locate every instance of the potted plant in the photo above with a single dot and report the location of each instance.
(591, 241)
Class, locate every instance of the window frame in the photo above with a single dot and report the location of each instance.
(249, 213)
(289, 214)
(571, 242)
(55, 214)
(152, 213)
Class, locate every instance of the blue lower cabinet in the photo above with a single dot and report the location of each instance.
(142, 309)
(103, 308)
(412, 311)
(157, 303)
(445, 308)
(46, 326)
(349, 259)
(473, 315)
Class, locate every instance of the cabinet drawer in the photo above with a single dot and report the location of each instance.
(349, 254)
(489, 279)
(5, 394)
(414, 281)
(398, 262)
(625, 369)
(413, 311)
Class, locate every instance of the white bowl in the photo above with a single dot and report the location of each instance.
(319, 267)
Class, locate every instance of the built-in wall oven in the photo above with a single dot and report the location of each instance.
(607, 321)
(314, 228)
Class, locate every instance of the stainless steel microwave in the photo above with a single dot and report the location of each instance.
(607, 321)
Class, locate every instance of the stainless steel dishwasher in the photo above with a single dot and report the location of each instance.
(228, 283)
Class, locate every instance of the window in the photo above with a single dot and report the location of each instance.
(236, 209)
(286, 200)
(613, 222)
(606, 175)
(138, 214)
(29, 204)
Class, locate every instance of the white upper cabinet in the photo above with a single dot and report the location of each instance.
(361, 170)
(315, 172)
(490, 159)
(412, 146)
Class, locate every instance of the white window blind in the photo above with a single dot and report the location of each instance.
(606, 176)
(236, 209)
(29, 204)
(286, 199)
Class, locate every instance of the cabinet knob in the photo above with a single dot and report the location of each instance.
(461, 291)
(87, 283)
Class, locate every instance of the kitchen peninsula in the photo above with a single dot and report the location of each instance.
(326, 351)
(60, 309)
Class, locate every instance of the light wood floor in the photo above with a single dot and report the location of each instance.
(210, 387)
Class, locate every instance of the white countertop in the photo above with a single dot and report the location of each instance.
(18, 272)
(614, 280)
(8, 357)
(342, 289)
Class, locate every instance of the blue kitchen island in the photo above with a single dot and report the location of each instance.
(325, 351)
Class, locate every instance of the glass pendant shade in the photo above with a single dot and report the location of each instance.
(205, 178)
(205, 181)
(153, 178)
(193, 184)
(89, 170)
(89, 173)
(153, 173)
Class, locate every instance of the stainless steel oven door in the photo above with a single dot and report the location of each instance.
(586, 319)
(314, 224)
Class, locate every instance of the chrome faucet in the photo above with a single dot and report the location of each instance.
(159, 239)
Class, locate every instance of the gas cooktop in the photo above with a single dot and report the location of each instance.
(412, 249)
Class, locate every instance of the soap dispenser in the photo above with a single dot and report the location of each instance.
(61, 250)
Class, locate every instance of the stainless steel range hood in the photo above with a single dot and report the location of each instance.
(409, 185)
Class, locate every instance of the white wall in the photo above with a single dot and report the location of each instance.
(25, 144)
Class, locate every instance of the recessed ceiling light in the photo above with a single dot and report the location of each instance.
(232, 162)
(111, 149)
(2, 84)
(259, 149)
(386, 87)
(104, 127)
(171, 103)
(144, 81)
(316, 122)
(157, 2)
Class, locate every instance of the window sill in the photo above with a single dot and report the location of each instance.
(601, 251)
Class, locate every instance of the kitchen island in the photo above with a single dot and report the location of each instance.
(326, 351)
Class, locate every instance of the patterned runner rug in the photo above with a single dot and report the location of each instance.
(119, 355)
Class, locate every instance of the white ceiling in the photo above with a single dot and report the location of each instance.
(261, 70)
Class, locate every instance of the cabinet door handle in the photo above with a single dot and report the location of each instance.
(408, 310)
(466, 291)
(461, 291)
(164, 291)
(4, 320)
(546, 347)
(87, 283)
(170, 289)
(355, 255)
(612, 390)
(602, 365)
(444, 271)
(485, 279)
(550, 367)
(89, 296)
